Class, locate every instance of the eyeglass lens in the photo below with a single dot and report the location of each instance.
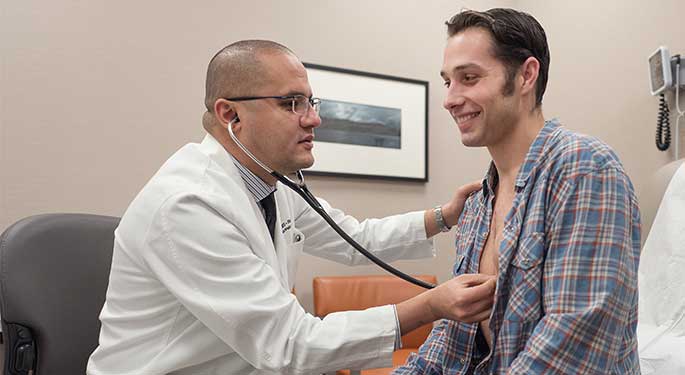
(301, 105)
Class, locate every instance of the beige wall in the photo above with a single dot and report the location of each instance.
(96, 95)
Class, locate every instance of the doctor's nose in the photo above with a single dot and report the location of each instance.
(311, 118)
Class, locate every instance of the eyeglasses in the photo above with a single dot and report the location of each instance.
(299, 104)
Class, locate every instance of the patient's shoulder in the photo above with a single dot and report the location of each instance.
(571, 154)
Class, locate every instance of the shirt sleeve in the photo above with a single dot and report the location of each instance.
(390, 238)
(428, 360)
(590, 278)
(398, 334)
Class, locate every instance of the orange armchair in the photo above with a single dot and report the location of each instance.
(342, 293)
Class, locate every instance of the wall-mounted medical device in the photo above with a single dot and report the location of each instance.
(666, 73)
(661, 71)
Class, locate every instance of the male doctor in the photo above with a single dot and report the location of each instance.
(206, 254)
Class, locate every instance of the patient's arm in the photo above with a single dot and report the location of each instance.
(590, 280)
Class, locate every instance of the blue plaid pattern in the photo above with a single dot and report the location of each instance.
(566, 299)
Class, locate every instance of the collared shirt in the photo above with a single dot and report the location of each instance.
(566, 296)
(259, 190)
(255, 185)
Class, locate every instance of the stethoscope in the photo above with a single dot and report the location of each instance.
(301, 189)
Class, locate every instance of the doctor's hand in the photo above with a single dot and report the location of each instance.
(450, 210)
(467, 298)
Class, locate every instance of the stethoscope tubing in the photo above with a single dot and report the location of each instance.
(301, 189)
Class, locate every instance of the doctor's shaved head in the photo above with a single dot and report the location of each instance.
(238, 69)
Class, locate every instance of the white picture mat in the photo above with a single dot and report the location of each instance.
(409, 161)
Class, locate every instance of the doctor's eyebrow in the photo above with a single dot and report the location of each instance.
(293, 93)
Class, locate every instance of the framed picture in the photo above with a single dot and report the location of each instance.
(372, 125)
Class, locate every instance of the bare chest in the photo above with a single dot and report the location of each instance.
(489, 257)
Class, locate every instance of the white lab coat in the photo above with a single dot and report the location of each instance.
(198, 287)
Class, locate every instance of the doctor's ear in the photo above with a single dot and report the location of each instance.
(225, 112)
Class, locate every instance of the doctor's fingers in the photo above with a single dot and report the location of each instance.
(465, 190)
(481, 316)
(455, 206)
(474, 279)
(476, 314)
(484, 291)
(478, 310)
(476, 301)
(468, 288)
(470, 312)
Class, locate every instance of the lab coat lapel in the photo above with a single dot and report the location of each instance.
(259, 238)
(281, 245)
(273, 252)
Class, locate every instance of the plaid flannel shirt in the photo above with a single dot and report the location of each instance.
(566, 299)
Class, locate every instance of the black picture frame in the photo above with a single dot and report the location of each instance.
(373, 125)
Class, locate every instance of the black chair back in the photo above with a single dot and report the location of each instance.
(54, 271)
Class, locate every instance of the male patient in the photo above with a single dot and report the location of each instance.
(556, 220)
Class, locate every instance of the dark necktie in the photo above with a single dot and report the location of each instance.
(269, 205)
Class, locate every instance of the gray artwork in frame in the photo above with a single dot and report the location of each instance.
(373, 125)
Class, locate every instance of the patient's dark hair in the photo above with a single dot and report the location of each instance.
(516, 36)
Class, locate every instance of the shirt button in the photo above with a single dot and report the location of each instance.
(462, 361)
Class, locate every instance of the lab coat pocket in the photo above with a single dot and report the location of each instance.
(295, 244)
(525, 279)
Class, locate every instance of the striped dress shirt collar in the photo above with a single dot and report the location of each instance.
(255, 185)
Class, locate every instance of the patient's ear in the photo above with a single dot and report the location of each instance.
(530, 69)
